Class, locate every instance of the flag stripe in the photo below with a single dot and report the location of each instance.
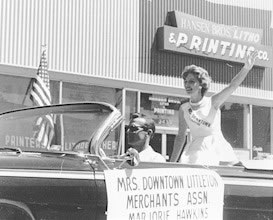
(50, 119)
(45, 135)
(39, 101)
(44, 87)
(40, 133)
(46, 118)
(40, 94)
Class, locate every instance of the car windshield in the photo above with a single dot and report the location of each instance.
(63, 128)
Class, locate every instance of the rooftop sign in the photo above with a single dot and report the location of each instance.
(198, 38)
(193, 23)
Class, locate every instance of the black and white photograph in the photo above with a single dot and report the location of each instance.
(136, 110)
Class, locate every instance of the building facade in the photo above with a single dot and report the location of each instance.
(131, 54)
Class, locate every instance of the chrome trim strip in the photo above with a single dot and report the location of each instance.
(100, 176)
(51, 174)
(248, 182)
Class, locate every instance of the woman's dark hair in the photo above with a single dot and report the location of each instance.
(201, 75)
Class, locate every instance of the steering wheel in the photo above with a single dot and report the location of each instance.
(79, 142)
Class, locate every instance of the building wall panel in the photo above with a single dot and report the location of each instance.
(116, 39)
(98, 37)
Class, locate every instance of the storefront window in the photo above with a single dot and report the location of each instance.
(131, 105)
(73, 92)
(163, 109)
(156, 142)
(14, 92)
(232, 123)
(170, 142)
(261, 128)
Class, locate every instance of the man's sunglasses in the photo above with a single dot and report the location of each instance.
(135, 129)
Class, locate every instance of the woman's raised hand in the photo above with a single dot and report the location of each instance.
(250, 60)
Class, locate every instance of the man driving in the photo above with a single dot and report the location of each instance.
(139, 133)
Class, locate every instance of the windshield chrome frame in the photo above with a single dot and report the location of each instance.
(111, 122)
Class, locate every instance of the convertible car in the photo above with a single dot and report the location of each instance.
(67, 161)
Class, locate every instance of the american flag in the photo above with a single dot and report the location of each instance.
(40, 96)
(40, 92)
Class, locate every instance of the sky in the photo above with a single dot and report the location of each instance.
(260, 4)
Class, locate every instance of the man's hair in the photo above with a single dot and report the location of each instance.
(201, 75)
(149, 122)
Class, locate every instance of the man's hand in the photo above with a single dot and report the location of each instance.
(134, 155)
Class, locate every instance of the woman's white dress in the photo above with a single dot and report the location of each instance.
(207, 145)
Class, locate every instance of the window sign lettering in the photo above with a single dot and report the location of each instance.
(167, 194)
(163, 109)
(109, 146)
(23, 142)
(31, 143)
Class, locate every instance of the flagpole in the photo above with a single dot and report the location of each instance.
(27, 91)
